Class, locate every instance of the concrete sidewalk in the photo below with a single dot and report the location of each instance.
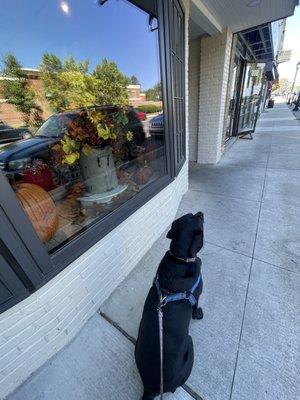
(246, 345)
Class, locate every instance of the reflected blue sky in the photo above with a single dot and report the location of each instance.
(117, 31)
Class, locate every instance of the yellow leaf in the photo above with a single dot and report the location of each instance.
(71, 158)
(87, 150)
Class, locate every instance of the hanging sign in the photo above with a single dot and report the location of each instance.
(284, 56)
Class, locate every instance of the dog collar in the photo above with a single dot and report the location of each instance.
(186, 260)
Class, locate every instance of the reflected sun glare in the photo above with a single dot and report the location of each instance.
(65, 7)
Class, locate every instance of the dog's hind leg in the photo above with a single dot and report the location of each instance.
(148, 396)
(197, 312)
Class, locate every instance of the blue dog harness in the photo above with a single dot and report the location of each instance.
(164, 298)
(168, 297)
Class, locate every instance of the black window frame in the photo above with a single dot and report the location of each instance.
(30, 263)
(176, 27)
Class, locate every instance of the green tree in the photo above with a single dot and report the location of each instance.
(67, 84)
(154, 93)
(54, 88)
(111, 84)
(282, 86)
(134, 80)
(16, 89)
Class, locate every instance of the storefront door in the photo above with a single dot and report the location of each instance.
(250, 97)
(236, 80)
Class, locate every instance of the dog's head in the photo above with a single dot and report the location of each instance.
(186, 234)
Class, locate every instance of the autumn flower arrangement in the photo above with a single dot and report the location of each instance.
(90, 128)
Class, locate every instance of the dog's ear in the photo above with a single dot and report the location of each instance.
(176, 224)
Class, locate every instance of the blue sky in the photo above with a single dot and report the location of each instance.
(117, 31)
(291, 41)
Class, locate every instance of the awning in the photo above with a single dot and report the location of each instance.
(259, 43)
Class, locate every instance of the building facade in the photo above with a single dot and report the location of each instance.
(10, 114)
(84, 199)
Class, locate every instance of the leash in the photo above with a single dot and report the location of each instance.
(161, 347)
(163, 300)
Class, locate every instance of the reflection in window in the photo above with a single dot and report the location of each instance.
(81, 111)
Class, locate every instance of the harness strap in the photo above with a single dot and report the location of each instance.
(169, 297)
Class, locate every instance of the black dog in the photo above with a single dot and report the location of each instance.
(177, 273)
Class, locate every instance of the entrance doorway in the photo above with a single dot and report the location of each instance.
(236, 76)
(245, 96)
(250, 97)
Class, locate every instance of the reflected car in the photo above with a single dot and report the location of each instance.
(10, 134)
(156, 125)
(15, 156)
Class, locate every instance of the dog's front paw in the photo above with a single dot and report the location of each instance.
(198, 313)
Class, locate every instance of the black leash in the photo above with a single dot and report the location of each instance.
(161, 348)
(163, 300)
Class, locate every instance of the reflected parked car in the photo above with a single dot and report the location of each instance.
(15, 156)
(156, 125)
(10, 134)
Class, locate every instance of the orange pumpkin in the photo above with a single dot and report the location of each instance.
(39, 208)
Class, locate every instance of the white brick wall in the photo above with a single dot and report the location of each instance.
(194, 74)
(35, 329)
(214, 67)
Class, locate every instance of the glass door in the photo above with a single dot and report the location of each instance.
(250, 97)
(236, 76)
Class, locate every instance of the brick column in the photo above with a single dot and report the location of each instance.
(214, 75)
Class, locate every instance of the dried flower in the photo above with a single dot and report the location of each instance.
(129, 136)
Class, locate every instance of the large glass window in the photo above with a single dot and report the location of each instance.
(81, 113)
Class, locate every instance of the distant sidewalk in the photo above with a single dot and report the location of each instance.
(246, 345)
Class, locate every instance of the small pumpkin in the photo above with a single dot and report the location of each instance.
(39, 208)
(142, 175)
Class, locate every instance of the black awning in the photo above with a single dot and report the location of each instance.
(259, 42)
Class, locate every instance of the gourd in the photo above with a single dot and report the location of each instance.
(39, 208)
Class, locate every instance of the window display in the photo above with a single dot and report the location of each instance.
(92, 131)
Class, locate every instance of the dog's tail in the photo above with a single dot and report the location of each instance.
(148, 396)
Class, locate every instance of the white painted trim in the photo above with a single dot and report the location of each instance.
(212, 20)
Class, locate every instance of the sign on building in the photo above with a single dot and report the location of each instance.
(284, 56)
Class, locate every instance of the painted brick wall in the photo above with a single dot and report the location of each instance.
(34, 330)
(214, 67)
(194, 75)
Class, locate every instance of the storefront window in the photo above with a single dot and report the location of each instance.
(81, 113)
